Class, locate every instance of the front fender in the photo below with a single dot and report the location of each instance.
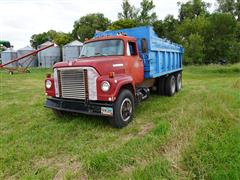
(116, 84)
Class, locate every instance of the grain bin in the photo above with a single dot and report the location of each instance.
(9, 55)
(25, 62)
(48, 57)
(72, 50)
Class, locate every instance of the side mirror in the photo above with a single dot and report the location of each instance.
(144, 45)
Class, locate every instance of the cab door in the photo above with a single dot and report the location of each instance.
(135, 66)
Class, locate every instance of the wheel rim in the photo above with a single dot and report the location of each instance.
(179, 82)
(126, 109)
(173, 85)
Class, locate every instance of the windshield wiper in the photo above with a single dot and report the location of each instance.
(100, 54)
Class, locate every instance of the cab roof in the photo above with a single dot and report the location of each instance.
(124, 38)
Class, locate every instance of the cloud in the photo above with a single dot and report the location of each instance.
(19, 19)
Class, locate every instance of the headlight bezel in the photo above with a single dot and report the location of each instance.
(48, 84)
(105, 86)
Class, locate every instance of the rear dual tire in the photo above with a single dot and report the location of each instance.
(178, 81)
(161, 86)
(169, 85)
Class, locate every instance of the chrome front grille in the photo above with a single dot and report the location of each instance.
(73, 83)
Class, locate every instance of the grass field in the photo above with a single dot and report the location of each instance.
(193, 135)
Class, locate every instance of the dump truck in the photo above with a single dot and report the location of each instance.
(115, 72)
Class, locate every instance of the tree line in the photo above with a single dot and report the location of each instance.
(207, 37)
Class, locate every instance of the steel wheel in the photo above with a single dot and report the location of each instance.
(179, 82)
(170, 86)
(173, 85)
(126, 109)
(123, 109)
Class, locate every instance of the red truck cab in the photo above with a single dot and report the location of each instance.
(102, 81)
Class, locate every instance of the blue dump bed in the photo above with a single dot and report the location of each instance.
(162, 57)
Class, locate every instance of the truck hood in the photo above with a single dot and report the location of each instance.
(102, 64)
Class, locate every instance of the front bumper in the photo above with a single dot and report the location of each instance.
(77, 106)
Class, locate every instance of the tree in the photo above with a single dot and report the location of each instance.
(87, 25)
(159, 27)
(170, 24)
(234, 52)
(229, 6)
(193, 9)
(238, 31)
(238, 10)
(123, 23)
(194, 49)
(167, 28)
(129, 11)
(191, 34)
(226, 6)
(143, 16)
(192, 26)
(132, 17)
(38, 39)
(60, 38)
(146, 15)
(220, 37)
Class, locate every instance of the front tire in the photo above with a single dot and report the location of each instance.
(123, 109)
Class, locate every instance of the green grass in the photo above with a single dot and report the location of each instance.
(193, 135)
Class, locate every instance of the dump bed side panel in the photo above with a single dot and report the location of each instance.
(163, 57)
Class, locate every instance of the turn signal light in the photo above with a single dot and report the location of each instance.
(111, 74)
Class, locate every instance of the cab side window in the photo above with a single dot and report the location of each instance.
(131, 49)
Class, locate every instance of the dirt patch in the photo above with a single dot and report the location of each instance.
(73, 167)
(173, 150)
(128, 169)
(236, 85)
(146, 128)
(143, 130)
(63, 164)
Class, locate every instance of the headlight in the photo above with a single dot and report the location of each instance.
(48, 84)
(105, 86)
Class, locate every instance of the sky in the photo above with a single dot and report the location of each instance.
(20, 19)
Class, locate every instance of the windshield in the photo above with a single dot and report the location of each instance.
(103, 48)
